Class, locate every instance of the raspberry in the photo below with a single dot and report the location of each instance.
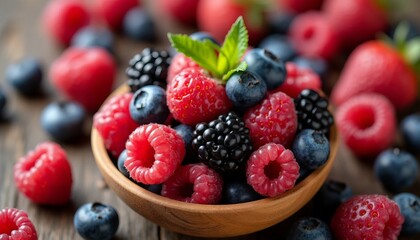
(193, 97)
(273, 120)
(314, 36)
(367, 217)
(44, 175)
(84, 75)
(272, 170)
(194, 183)
(179, 62)
(62, 19)
(367, 123)
(15, 224)
(298, 79)
(112, 12)
(114, 123)
(154, 152)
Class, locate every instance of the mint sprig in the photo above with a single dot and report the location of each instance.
(219, 61)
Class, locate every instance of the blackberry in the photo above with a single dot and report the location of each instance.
(312, 111)
(150, 67)
(223, 144)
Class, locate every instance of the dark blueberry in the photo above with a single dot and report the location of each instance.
(64, 121)
(265, 64)
(187, 134)
(201, 36)
(396, 169)
(154, 188)
(148, 105)
(311, 149)
(309, 228)
(318, 65)
(303, 173)
(410, 130)
(3, 101)
(94, 37)
(245, 89)
(410, 208)
(279, 22)
(25, 76)
(238, 192)
(139, 25)
(120, 164)
(96, 221)
(280, 46)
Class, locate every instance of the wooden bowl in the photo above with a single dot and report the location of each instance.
(224, 220)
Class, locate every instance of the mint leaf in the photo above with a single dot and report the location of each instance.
(242, 67)
(412, 51)
(400, 34)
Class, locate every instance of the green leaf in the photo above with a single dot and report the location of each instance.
(242, 67)
(412, 51)
(400, 35)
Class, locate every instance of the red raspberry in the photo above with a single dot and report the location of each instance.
(44, 175)
(298, 79)
(272, 170)
(194, 183)
(84, 75)
(15, 224)
(112, 12)
(62, 19)
(179, 63)
(193, 97)
(300, 6)
(367, 123)
(114, 123)
(154, 152)
(273, 120)
(367, 217)
(314, 36)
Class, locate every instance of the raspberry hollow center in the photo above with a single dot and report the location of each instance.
(186, 190)
(146, 154)
(272, 170)
(8, 227)
(363, 118)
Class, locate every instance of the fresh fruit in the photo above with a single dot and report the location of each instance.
(63, 121)
(194, 183)
(182, 11)
(178, 63)
(114, 123)
(300, 6)
(265, 64)
(245, 89)
(309, 228)
(280, 46)
(396, 169)
(311, 149)
(138, 24)
(25, 76)
(62, 19)
(202, 36)
(90, 36)
(409, 205)
(148, 105)
(15, 224)
(318, 65)
(274, 120)
(373, 67)
(367, 124)
(279, 22)
(93, 83)
(235, 191)
(112, 12)
(44, 175)
(410, 130)
(272, 170)
(120, 163)
(224, 143)
(96, 221)
(149, 67)
(367, 217)
(154, 152)
(187, 134)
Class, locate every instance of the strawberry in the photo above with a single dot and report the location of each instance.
(183, 11)
(300, 6)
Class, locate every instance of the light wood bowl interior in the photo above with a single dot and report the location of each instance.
(210, 220)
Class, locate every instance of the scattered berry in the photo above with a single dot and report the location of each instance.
(272, 170)
(112, 12)
(238, 192)
(179, 63)
(317, 65)
(25, 76)
(194, 183)
(89, 36)
(154, 152)
(201, 36)
(311, 149)
(182, 11)
(300, 6)
(187, 134)
(309, 228)
(15, 224)
(96, 221)
(245, 89)
(120, 163)
(280, 46)
(367, 217)
(44, 175)
(279, 23)
(138, 24)
(410, 130)
(409, 205)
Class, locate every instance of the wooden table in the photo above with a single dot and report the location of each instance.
(21, 35)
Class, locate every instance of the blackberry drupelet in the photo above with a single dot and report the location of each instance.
(223, 144)
(312, 111)
(150, 67)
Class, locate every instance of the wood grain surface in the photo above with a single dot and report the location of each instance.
(21, 35)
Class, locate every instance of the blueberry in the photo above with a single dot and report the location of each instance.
(265, 64)
(238, 192)
(64, 121)
(139, 25)
(201, 36)
(148, 105)
(280, 22)
(3, 101)
(280, 46)
(154, 188)
(245, 89)
(410, 130)
(311, 149)
(318, 65)
(187, 134)
(410, 208)
(96, 221)
(94, 37)
(120, 163)
(25, 76)
(396, 169)
(309, 228)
